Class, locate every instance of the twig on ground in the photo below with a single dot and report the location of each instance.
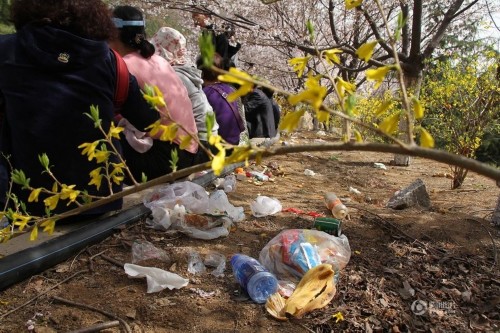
(42, 293)
(97, 327)
(89, 307)
(492, 240)
(113, 261)
(306, 328)
(91, 258)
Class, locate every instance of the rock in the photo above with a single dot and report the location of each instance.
(413, 195)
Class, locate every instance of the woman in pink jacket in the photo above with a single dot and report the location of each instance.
(153, 70)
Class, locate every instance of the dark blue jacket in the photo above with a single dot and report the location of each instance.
(259, 115)
(48, 79)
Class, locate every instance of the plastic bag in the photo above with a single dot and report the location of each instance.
(190, 195)
(217, 260)
(144, 250)
(220, 205)
(292, 252)
(264, 206)
(157, 279)
(195, 264)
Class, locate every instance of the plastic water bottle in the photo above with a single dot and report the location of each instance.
(229, 184)
(254, 277)
(333, 203)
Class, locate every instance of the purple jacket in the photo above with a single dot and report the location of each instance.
(227, 115)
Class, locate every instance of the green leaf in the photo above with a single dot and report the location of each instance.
(174, 159)
(19, 178)
(207, 49)
(310, 29)
(44, 161)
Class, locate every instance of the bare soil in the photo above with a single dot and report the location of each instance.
(444, 256)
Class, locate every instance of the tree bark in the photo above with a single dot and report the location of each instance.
(496, 214)
(412, 84)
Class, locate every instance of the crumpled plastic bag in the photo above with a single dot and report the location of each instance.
(193, 225)
(220, 205)
(264, 206)
(217, 260)
(157, 279)
(144, 250)
(291, 253)
(189, 194)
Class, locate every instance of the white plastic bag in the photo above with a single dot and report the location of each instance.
(189, 194)
(157, 279)
(144, 250)
(264, 206)
(220, 205)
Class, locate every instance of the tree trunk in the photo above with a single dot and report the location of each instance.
(412, 83)
(496, 214)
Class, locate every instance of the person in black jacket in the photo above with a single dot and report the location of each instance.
(259, 115)
(52, 70)
(223, 39)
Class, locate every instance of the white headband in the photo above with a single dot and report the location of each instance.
(119, 23)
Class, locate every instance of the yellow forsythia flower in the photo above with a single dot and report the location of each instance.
(365, 51)
(52, 201)
(48, 226)
(114, 132)
(102, 156)
(154, 128)
(426, 139)
(34, 195)
(323, 116)
(240, 78)
(218, 162)
(240, 153)
(358, 136)
(299, 64)
(156, 98)
(377, 74)
(20, 220)
(185, 141)
(34, 233)
(350, 4)
(89, 149)
(169, 132)
(338, 317)
(332, 57)
(313, 94)
(96, 178)
(67, 192)
(343, 86)
(384, 107)
(291, 121)
(418, 109)
(390, 124)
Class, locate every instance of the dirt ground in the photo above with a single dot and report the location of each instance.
(443, 256)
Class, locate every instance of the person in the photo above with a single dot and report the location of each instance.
(276, 108)
(52, 70)
(149, 68)
(259, 116)
(230, 115)
(224, 41)
(171, 45)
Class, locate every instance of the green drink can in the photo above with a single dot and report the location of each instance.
(329, 225)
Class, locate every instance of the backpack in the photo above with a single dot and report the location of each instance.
(122, 81)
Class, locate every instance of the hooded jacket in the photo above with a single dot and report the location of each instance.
(49, 78)
(191, 78)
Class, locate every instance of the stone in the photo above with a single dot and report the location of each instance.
(414, 195)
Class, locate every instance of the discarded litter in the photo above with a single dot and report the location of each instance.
(217, 260)
(144, 250)
(195, 264)
(333, 203)
(329, 225)
(253, 277)
(191, 195)
(308, 172)
(264, 206)
(379, 166)
(219, 205)
(157, 279)
(289, 260)
(354, 190)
